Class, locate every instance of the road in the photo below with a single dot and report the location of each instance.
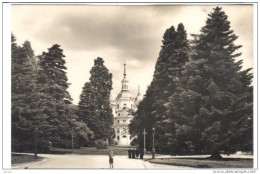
(73, 161)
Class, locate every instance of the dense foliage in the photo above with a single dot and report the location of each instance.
(94, 106)
(40, 101)
(203, 106)
(152, 110)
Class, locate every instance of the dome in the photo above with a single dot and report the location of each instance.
(124, 94)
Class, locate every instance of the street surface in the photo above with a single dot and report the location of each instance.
(73, 161)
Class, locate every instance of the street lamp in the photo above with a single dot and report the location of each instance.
(153, 150)
(36, 132)
(144, 141)
(72, 133)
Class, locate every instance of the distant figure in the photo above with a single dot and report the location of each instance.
(141, 154)
(137, 153)
(133, 153)
(111, 159)
(129, 153)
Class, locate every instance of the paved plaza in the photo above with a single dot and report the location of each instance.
(73, 161)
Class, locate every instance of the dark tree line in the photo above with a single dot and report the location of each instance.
(40, 102)
(200, 101)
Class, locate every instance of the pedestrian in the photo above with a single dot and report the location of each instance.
(137, 153)
(133, 153)
(141, 154)
(111, 159)
(129, 153)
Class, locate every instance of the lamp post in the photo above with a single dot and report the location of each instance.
(36, 142)
(72, 136)
(153, 153)
(144, 141)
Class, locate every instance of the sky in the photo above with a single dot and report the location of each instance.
(119, 33)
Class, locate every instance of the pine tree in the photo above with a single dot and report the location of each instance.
(22, 95)
(88, 109)
(53, 99)
(94, 106)
(213, 99)
(173, 55)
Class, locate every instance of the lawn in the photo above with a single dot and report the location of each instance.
(23, 158)
(206, 163)
(93, 151)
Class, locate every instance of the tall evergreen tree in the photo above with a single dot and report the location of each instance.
(173, 55)
(22, 95)
(53, 99)
(94, 106)
(212, 107)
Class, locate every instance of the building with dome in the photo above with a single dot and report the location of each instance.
(123, 107)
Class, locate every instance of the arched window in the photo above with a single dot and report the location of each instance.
(124, 136)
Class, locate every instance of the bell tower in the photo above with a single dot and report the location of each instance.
(124, 81)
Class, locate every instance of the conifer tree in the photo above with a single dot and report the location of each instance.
(212, 107)
(173, 55)
(53, 99)
(94, 106)
(22, 95)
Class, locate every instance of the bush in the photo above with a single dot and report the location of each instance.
(101, 144)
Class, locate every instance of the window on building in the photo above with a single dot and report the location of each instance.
(117, 105)
(118, 114)
(124, 136)
(118, 121)
(130, 137)
(124, 129)
(117, 137)
(124, 120)
(118, 130)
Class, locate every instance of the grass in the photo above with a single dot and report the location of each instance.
(92, 151)
(23, 158)
(206, 163)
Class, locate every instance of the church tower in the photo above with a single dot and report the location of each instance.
(124, 81)
(123, 108)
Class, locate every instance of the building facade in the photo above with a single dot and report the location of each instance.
(123, 108)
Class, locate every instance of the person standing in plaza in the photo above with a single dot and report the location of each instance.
(137, 153)
(133, 153)
(111, 159)
(141, 153)
(129, 153)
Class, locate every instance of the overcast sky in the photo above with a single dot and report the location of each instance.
(118, 33)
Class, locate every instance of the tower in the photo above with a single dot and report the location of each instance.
(124, 81)
(123, 108)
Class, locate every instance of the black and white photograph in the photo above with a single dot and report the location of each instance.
(130, 86)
